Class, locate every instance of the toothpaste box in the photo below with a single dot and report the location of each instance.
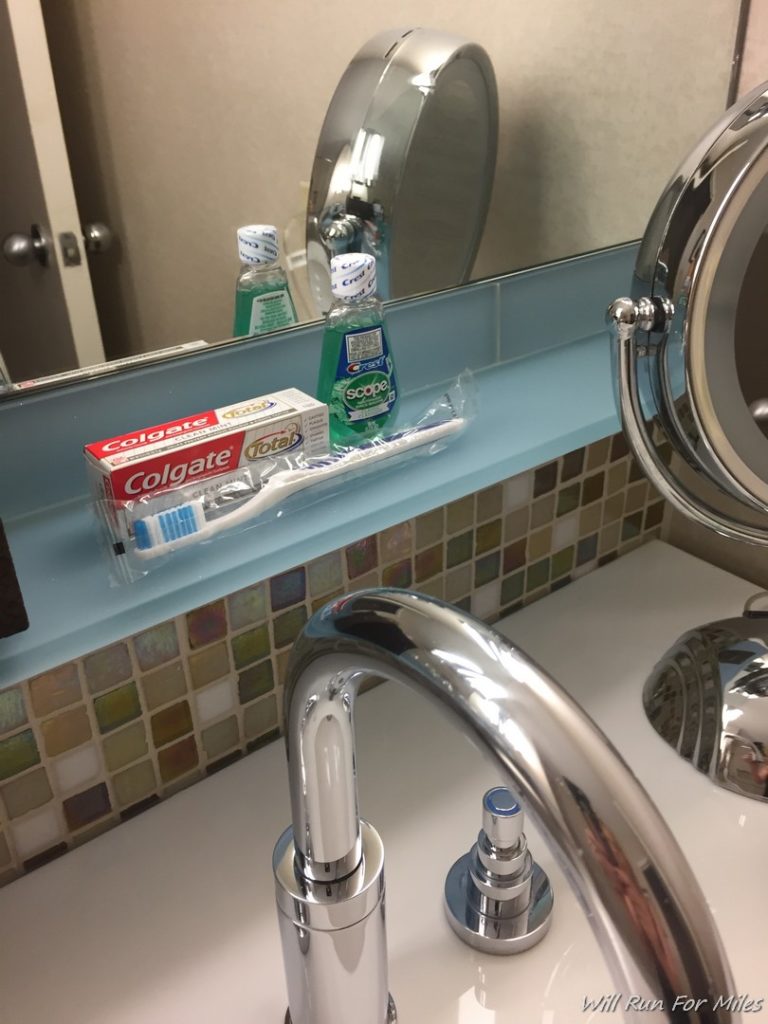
(177, 461)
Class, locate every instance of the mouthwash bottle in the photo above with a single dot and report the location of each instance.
(263, 301)
(357, 373)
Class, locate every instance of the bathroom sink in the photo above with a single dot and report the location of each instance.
(170, 917)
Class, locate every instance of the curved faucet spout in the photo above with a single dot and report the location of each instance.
(641, 898)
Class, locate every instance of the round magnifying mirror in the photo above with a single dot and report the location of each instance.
(690, 352)
(405, 162)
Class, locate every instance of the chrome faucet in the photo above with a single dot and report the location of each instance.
(641, 898)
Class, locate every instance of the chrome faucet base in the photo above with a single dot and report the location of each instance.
(391, 1013)
(488, 933)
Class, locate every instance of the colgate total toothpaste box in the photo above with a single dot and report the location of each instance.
(177, 461)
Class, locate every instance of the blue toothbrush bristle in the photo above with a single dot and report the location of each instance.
(172, 525)
(141, 535)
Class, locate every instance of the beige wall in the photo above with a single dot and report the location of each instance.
(189, 117)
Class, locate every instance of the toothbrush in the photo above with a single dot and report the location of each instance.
(163, 532)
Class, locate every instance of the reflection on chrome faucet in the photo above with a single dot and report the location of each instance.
(643, 902)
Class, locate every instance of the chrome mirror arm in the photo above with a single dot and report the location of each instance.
(625, 317)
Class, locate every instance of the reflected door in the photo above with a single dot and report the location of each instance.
(49, 322)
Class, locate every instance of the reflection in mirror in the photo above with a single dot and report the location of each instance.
(751, 362)
(182, 122)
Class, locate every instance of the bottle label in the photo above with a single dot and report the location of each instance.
(270, 311)
(365, 385)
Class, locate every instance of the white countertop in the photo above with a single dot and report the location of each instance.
(170, 918)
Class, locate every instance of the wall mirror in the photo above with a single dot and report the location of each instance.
(181, 121)
(693, 385)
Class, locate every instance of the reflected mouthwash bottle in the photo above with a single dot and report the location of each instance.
(357, 373)
(263, 301)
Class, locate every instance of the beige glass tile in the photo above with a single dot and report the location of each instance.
(458, 583)
(597, 453)
(73, 771)
(219, 738)
(617, 478)
(247, 606)
(434, 587)
(54, 690)
(635, 497)
(134, 784)
(25, 793)
(613, 508)
(429, 528)
(107, 667)
(396, 543)
(516, 524)
(165, 684)
(209, 665)
(65, 731)
(178, 759)
(542, 511)
(120, 748)
(371, 579)
(459, 515)
(260, 717)
(540, 544)
(171, 723)
(609, 538)
(324, 575)
(489, 502)
(589, 520)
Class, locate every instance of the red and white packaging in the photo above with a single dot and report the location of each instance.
(200, 454)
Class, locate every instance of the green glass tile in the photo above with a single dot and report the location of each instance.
(434, 587)
(54, 690)
(260, 717)
(539, 544)
(206, 625)
(250, 646)
(17, 753)
(590, 519)
(177, 759)
(171, 723)
(12, 710)
(487, 568)
(164, 685)
(134, 784)
(429, 528)
(514, 556)
(121, 748)
(27, 792)
(219, 738)
(609, 538)
(155, 646)
(117, 707)
(537, 575)
(488, 537)
(459, 515)
(571, 465)
(247, 606)
(459, 549)
(255, 681)
(429, 563)
(86, 807)
(286, 627)
(396, 543)
(654, 515)
(568, 500)
(512, 588)
(362, 557)
(635, 497)
(324, 574)
(398, 575)
(458, 583)
(632, 526)
(586, 550)
(562, 562)
(544, 479)
(288, 588)
(592, 488)
(489, 503)
(613, 509)
(616, 478)
(107, 667)
(208, 665)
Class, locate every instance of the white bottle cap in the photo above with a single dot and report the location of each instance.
(353, 276)
(257, 244)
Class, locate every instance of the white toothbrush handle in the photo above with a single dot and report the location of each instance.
(289, 481)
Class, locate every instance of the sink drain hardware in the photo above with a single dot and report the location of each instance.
(497, 899)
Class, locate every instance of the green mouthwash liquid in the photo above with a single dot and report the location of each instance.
(357, 373)
(263, 300)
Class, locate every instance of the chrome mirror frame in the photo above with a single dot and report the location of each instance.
(674, 353)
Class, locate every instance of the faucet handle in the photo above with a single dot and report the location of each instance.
(497, 899)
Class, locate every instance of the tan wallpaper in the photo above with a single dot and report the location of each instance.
(189, 118)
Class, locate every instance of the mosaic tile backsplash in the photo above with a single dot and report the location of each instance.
(96, 741)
